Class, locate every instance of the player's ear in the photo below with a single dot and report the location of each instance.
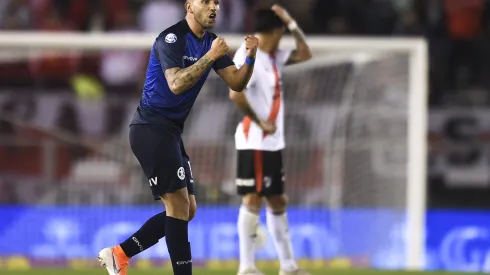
(188, 7)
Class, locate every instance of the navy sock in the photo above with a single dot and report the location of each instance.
(147, 236)
(178, 246)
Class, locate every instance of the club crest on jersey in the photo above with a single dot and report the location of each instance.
(181, 173)
(171, 38)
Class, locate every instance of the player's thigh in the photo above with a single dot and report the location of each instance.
(247, 179)
(189, 179)
(186, 163)
(190, 188)
(274, 181)
(158, 152)
(246, 173)
(273, 170)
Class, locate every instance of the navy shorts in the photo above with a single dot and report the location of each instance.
(161, 153)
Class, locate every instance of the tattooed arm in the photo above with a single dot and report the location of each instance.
(180, 80)
(170, 53)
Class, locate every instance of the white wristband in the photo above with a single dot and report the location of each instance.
(292, 26)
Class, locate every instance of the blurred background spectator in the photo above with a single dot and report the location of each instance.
(456, 30)
(157, 15)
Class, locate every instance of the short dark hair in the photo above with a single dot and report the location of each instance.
(267, 20)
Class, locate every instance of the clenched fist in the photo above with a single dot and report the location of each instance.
(251, 44)
(219, 48)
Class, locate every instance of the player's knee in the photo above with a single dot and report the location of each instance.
(177, 204)
(277, 203)
(180, 209)
(252, 201)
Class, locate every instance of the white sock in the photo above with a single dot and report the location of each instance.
(247, 232)
(279, 230)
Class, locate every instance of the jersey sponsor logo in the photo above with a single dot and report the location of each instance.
(245, 182)
(153, 181)
(190, 58)
(171, 38)
(181, 173)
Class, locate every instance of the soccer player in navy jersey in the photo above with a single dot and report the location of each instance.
(180, 61)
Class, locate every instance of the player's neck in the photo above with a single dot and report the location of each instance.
(265, 44)
(196, 28)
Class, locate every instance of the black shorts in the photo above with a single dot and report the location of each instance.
(260, 172)
(161, 154)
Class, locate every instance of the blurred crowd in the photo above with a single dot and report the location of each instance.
(457, 31)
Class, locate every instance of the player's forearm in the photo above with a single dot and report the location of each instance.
(300, 39)
(242, 77)
(242, 104)
(181, 80)
(302, 51)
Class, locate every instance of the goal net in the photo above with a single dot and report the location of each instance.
(354, 162)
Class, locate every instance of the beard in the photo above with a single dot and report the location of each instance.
(206, 22)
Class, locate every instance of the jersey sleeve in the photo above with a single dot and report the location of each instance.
(224, 62)
(283, 56)
(239, 58)
(170, 54)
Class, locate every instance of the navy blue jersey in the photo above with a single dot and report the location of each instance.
(176, 47)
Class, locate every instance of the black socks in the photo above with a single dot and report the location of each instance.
(146, 237)
(178, 246)
(157, 227)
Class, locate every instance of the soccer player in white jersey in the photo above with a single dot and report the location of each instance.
(259, 139)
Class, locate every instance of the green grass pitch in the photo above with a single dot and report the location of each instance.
(22, 266)
(198, 271)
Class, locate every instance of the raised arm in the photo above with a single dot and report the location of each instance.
(302, 52)
(179, 78)
(237, 79)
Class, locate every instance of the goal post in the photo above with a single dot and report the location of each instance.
(417, 159)
(359, 52)
(371, 64)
